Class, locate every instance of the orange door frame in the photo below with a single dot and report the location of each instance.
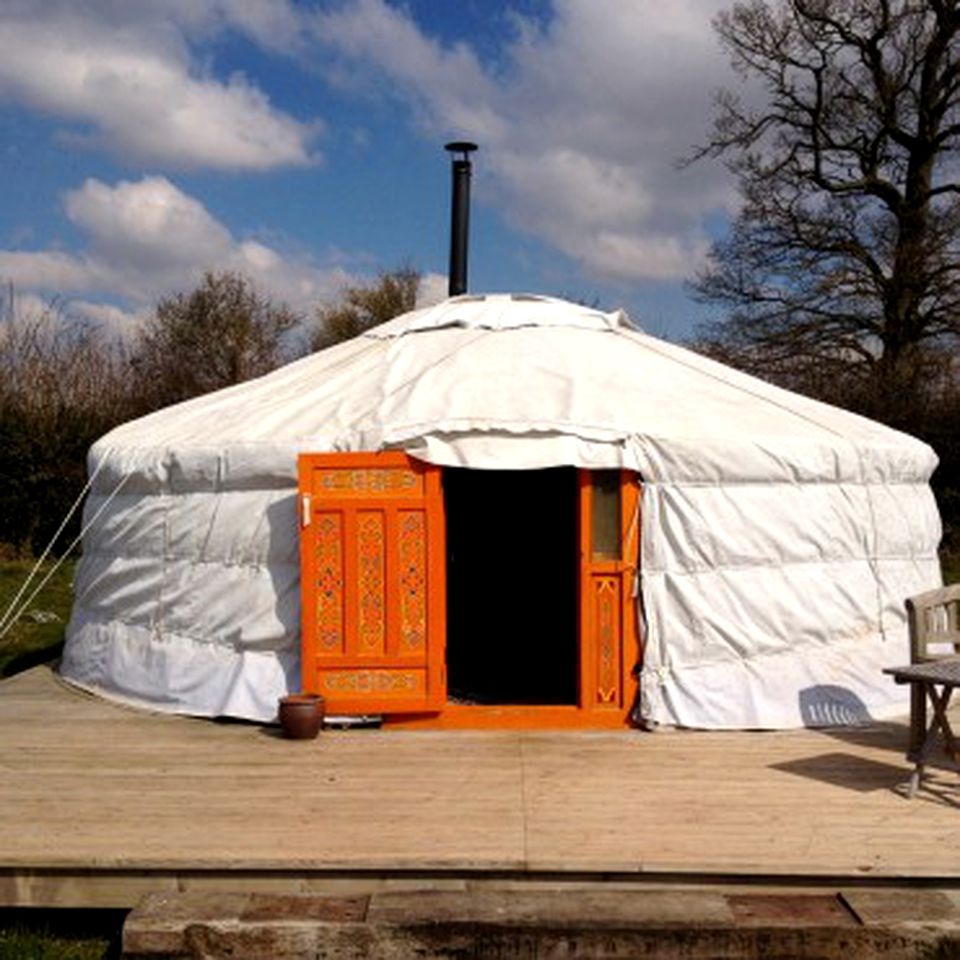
(341, 574)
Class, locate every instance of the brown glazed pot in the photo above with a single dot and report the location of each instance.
(301, 715)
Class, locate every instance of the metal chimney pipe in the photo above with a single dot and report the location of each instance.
(459, 215)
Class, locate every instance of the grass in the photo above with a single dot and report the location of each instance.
(37, 636)
(20, 944)
(52, 934)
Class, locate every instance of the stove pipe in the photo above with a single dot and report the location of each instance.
(459, 215)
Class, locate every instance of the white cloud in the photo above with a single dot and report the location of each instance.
(580, 123)
(581, 127)
(148, 224)
(112, 320)
(448, 85)
(50, 270)
(433, 289)
(125, 72)
(148, 238)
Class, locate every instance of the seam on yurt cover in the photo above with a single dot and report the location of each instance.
(346, 360)
(872, 549)
(93, 619)
(189, 558)
(645, 345)
(732, 654)
(220, 445)
(439, 361)
(842, 641)
(212, 519)
(690, 571)
(159, 622)
(800, 482)
(459, 424)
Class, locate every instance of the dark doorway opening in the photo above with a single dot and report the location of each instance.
(511, 585)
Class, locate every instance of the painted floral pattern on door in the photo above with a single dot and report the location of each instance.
(413, 580)
(329, 581)
(371, 561)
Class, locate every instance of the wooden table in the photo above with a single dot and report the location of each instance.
(936, 680)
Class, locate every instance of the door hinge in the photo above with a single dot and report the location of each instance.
(305, 510)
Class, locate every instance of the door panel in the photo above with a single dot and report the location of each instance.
(372, 582)
(609, 640)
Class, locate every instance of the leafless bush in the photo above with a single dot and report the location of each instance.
(221, 333)
(366, 305)
(63, 383)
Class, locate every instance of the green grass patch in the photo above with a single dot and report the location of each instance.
(37, 636)
(35, 933)
(36, 945)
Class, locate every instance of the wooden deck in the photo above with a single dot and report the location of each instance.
(100, 804)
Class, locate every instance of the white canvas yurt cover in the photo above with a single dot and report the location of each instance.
(779, 535)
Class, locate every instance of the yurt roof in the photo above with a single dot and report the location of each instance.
(519, 381)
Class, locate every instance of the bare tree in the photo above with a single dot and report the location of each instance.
(366, 305)
(844, 260)
(221, 333)
(63, 383)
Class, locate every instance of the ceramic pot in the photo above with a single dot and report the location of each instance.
(301, 715)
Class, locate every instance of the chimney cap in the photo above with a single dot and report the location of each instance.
(460, 146)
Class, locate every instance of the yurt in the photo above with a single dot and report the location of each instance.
(505, 509)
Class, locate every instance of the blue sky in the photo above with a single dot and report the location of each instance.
(145, 141)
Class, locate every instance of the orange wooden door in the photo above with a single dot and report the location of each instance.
(609, 620)
(372, 582)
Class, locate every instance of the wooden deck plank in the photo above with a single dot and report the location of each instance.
(90, 787)
(802, 802)
(90, 783)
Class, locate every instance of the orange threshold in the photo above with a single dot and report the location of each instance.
(459, 716)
